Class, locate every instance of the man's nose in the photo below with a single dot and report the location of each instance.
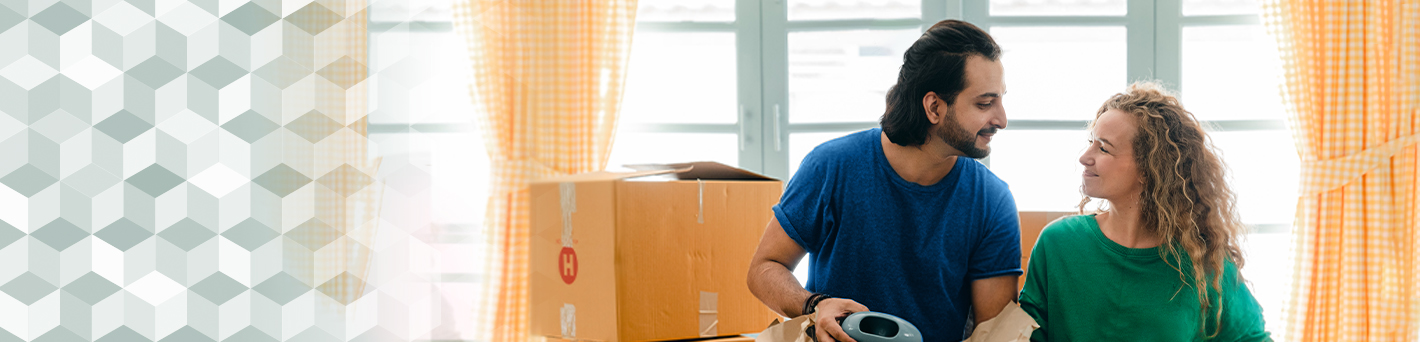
(999, 120)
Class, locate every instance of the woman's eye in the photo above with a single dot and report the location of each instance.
(1101, 148)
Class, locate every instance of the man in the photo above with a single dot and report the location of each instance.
(894, 220)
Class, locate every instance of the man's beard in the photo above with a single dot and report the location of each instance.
(955, 136)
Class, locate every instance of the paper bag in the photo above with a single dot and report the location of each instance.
(1011, 325)
(788, 331)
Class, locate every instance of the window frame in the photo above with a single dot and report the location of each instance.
(763, 127)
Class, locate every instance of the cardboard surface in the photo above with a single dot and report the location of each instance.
(593, 302)
(1032, 222)
(648, 260)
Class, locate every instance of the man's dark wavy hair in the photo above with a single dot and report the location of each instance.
(935, 63)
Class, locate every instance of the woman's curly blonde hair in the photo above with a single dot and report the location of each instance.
(1186, 200)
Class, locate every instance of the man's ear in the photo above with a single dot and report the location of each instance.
(929, 106)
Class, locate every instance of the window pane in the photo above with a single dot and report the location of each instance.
(419, 77)
(1042, 167)
(1220, 7)
(686, 10)
(843, 76)
(440, 178)
(1268, 269)
(678, 77)
(1060, 73)
(1231, 73)
(1058, 7)
(802, 273)
(1264, 169)
(411, 10)
(460, 169)
(853, 9)
(435, 192)
(647, 148)
(800, 144)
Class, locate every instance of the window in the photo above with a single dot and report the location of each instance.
(432, 161)
(686, 91)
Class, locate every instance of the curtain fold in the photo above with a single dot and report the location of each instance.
(548, 79)
(1352, 87)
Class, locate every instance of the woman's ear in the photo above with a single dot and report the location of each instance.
(929, 107)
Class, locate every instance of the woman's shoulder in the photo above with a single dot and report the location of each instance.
(1066, 230)
(1232, 274)
(1071, 223)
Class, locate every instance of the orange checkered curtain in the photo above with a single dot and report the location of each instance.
(1353, 85)
(549, 78)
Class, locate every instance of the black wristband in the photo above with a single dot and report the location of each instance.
(811, 304)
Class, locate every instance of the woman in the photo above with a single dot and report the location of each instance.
(1159, 261)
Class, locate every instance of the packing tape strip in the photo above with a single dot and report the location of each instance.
(568, 192)
(569, 321)
(709, 314)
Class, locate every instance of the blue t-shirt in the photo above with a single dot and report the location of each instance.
(896, 246)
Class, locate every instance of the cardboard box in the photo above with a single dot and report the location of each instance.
(1032, 222)
(648, 255)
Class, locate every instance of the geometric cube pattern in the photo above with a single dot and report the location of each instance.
(196, 170)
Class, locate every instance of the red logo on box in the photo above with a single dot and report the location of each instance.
(567, 263)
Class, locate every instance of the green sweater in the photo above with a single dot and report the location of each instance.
(1082, 286)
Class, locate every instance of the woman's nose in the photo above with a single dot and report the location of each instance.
(1085, 158)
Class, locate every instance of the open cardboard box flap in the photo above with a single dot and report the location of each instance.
(706, 170)
(699, 170)
(601, 176)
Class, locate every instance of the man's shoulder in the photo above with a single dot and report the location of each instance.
(851, 145)
(984, 175)
(830, 161)
(983, 185)
(848, 150)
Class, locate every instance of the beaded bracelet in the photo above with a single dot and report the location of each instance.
(811, 304)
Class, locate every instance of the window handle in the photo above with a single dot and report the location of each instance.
(777, 136)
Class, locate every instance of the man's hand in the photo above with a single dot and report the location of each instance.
(772, 281)
(827, 315)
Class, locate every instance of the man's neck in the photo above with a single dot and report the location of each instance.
(924, 164)
(1121, 225)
